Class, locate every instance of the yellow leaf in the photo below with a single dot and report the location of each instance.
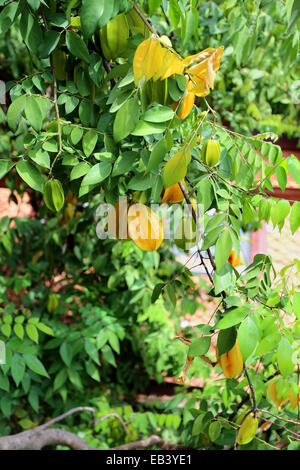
(202, 69)
(154, 59)
(176, 66)
(139, 60)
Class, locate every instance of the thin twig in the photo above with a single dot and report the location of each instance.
(144, 19)
(113, 415)
(278, 417)
(59, 131)
(254, 405)
(295, 434)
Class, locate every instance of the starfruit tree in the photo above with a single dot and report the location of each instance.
(111, 105)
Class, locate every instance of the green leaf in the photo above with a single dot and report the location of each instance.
(45, 329)
(76, 135)
(97, 173)
(147, 128)
(171, 294)
(293, 165)
(281, 177)
(51, 145)
(79, 170)
(4, 382)
(60, 379)
(14, 111)
(35, 365)
(268, 344)
(296, 304)
(7, 16)
(5, 167)
(124, 163)
(141, 182)
(90, 16)
(19, 330)
(35, 4)
(17, 369)
(50, 41)
(176, 168)
(157, 154)
(65, 351)
(284, 357)
(158, 114)
(223, 279)
(295, 15)
(31, 175)
(197, 425)
(153, 6)
(226, 340)
(32, 332)
(199, 346)
(247, 337)
(223, 249)
(214, 430)
(89, 142)
(40, 157)
(231, 318)
(157, 291)
(77, 46)
(295, 217)
(126, 119)
(283, 207)
(31, 31)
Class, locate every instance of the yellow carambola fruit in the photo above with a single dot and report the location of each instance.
(54, 195)
(144, 227)
(231, 362)
(211, 152)
(59, 59)
(114, 37)
(52, 303)
(248, 429)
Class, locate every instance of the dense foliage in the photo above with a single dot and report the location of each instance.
(101, 104)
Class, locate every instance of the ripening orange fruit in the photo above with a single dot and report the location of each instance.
(293, 399)
(187, 104)
(234, 259)
(231, 362)
(173, 193)
(144, 227)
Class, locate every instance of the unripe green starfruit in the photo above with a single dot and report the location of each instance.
(52, 303)
(54, 195)
(114, 37)
(211, 152)
(59, 58)
(186, 235)
(248, 429)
